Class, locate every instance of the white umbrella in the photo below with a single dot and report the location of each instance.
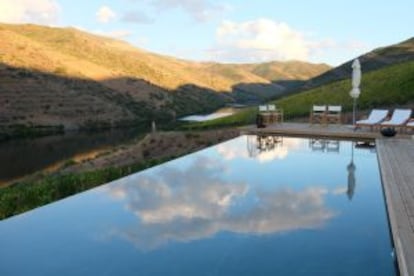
(356, 81)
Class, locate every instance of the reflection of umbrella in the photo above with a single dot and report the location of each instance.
(356, 81)
(351, 176)
(251, 146)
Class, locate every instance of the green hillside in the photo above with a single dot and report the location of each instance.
(390, 87)
(373, 60)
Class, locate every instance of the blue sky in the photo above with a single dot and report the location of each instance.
(231, 31)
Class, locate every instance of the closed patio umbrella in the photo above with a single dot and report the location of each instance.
(356, 81)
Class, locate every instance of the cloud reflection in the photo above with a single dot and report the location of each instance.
(197, 202)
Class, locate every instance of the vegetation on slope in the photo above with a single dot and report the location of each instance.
(113, 57)
(25, 196)
(70, 75)
(389, 87)
(371, 61)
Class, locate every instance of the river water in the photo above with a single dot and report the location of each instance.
(222, 112)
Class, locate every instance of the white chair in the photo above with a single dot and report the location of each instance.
(276, 114)
(262, 108)
(334, 113)
(374, 119)
(318, 113)
(399, 118)
(271, 107)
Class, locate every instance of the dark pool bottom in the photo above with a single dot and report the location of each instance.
(249, 206)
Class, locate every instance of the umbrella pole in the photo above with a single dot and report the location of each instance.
(353, 114)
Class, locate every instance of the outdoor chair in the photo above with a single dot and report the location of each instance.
(265, 115)
(333, 114)
(318, 114)
(399, 118)
(374, 119)
(262, 108)
(276, 114)
(410, 125)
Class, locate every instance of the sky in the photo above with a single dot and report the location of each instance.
(231, 31)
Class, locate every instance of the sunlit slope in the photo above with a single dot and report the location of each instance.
(64, 76)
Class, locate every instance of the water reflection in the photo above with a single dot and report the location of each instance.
(324, 145)
(351, 175)
(25, 156)
(214, 212)
(264, 149)
(198, 202)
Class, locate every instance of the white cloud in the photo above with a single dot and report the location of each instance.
(136, 17)
(28, 11)
(200, 10)
(105, 14)
(174, 204)
(260, 40)
(264, 39)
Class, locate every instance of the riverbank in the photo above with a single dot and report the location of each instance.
(158, 145)
(75, 176)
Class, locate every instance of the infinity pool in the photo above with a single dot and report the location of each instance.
(249, 206)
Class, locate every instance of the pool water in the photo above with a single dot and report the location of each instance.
(249, 206)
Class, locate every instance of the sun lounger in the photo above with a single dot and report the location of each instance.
(399, 118)
(374, 119)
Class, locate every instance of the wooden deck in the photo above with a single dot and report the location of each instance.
(396, 160)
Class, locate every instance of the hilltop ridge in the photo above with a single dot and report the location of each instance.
(67, 77)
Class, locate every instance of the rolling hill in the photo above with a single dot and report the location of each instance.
(374, 60)
(387, 82)
(69, 78)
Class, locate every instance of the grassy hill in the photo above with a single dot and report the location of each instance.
(389, 87)
(70, 78)
(374, 60)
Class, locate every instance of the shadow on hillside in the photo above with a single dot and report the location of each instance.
(37, 98)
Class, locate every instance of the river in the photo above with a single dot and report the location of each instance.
(222, 112)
